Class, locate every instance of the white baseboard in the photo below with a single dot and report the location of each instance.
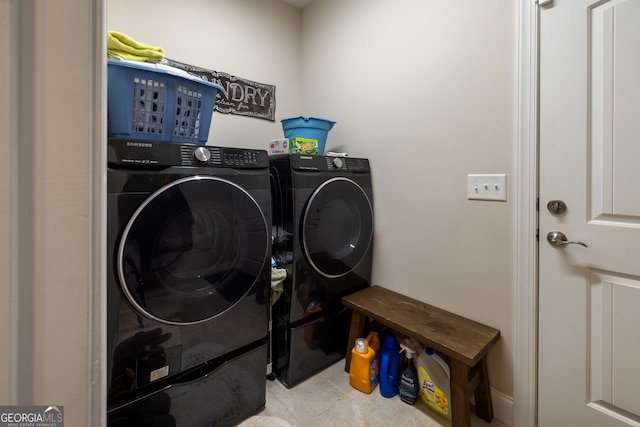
(502, 407)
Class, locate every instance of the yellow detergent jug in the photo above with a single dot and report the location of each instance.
(363, 371)
(435, 382)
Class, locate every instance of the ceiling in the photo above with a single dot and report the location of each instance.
(300, 4)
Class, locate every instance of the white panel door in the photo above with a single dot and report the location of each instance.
(589, 297)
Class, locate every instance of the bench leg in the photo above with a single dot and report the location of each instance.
(460, 393)
(356, 330)
(484, 406)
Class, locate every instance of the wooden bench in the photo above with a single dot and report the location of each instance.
(463, 343)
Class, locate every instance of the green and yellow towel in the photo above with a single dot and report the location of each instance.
(121, 46)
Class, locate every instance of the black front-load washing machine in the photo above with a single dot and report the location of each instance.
(188, 276)
(323, 236)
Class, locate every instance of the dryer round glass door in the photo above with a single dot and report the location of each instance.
(337, 227)
(192, 250)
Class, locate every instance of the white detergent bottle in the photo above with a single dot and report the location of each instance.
(435, 382)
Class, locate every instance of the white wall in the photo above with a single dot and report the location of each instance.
(426, 90)
(51, 221)
(256, 40)
(5, 203)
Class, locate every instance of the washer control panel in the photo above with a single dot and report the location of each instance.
(329, 163)
(347, 163)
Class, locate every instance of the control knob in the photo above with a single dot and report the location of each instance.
(202, 154)
(337, 162)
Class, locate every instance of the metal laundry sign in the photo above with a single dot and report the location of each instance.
(239, 96)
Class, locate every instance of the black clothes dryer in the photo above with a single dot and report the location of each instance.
(188, 275)
(323, 233)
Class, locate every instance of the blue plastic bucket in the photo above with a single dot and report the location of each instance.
(308, 127)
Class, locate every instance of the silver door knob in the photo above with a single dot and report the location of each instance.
(558, 239)
(556, 207)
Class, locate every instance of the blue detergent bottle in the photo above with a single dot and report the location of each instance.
(389, 357)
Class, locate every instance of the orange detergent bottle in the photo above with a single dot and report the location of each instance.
(374, 341)
(363, 371)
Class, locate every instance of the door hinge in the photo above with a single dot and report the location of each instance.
(537, 234)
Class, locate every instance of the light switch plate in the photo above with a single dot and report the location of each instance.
(487, 187)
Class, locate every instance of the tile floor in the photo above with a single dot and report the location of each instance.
(327, 400)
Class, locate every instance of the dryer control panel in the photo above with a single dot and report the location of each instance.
(164, 154)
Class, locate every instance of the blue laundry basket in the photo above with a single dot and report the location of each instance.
(147, 102)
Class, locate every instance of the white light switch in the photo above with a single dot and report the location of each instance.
(487, 187)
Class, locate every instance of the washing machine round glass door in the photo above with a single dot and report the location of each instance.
(337, 227)
(192, 250)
